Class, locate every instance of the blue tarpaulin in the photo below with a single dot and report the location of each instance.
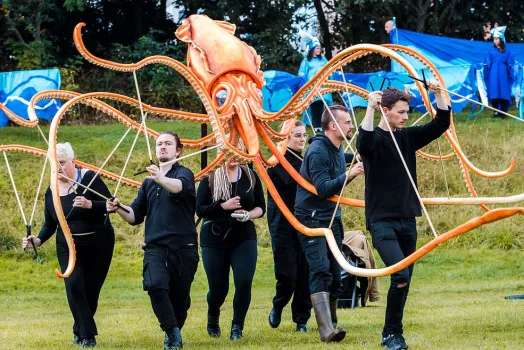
(459, 61)
(17, 89)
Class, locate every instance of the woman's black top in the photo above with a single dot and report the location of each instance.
(219, 229)
(80, 220)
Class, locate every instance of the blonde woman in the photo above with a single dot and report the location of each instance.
(94, 239)
(228, 201)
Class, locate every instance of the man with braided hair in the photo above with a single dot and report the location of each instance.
(391, 200)
(167, 202)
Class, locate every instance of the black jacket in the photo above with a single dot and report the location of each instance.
(168, 214)
(388, 192)
(324, 165)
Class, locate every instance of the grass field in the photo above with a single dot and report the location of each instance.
(456, 301)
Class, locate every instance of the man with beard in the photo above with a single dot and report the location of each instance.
(324, 165)
(167, 201)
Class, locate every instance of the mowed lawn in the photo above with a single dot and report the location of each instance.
(456, 300)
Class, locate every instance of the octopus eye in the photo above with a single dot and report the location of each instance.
(260, 94)
(221, 97)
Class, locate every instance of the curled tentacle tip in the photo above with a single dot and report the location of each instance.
(59, 274)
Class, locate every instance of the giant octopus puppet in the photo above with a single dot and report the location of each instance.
(225, 73)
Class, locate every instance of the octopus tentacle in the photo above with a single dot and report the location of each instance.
(42, 153)
(91, 100)
(360, 203)
(218, 130)
(491, 216)
(163, 112)
(17, 119)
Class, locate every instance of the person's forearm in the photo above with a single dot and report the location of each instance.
(441, 101)
(256, 213)
(367, 123)
(127, 216)
(172, 185)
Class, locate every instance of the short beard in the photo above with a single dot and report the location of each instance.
(163, 159)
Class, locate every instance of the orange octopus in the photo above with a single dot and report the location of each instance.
(225, 73)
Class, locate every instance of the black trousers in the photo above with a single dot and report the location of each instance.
(324, 270)
(291, 268)
(500, 103)
(93, 258)
(394, 240)
(316, 108)
(168, 274)
(242, 259)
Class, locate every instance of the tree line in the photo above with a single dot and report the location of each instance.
(37, 34)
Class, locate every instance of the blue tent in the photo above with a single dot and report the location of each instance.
(17, 89)
(459, 61)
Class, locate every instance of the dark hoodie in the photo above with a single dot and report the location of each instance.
(324, 165)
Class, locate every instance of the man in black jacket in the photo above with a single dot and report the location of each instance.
(391, 201)
(324, 165)
(167, 202)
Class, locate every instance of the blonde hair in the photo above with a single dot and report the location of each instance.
(221, 185)
(65, 150)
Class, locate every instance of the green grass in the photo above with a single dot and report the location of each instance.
(456, 302)
(457, 295)
(489, 144)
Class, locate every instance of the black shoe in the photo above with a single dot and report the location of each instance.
(395, 342)
(213, 326)
(302, 328)
(236, 332)
(275, 317)
(173, 339)
(77, 340)
(88, 343)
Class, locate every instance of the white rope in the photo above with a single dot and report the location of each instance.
(59, 165)
(341, 191)
(128, 157)
(38, 190)
(14, 188)
(407, 170)
(310, 123)
(419, 119)
(349, 99)
(189, 155)
(438, 145)
(335, 121)
(481, 104)
(294, 154)
(107, 159)
(79, 184)
(143, 116)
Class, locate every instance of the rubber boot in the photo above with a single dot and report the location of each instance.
(333, 308)
(320, 303)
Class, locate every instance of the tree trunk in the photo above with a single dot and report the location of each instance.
(324, 28)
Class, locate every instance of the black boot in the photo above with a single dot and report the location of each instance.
(173, 339)
(333, 304)
(236, 332)
(302, 328)
(213, 325)
(323, 315)
(275, 317)
(88, 343)
(77, 340)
